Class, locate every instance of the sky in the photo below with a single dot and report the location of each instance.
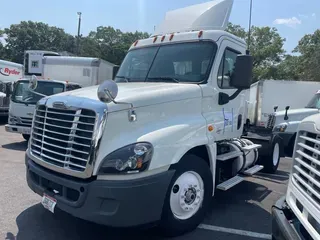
(292, 18)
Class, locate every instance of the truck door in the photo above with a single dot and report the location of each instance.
(227, 119)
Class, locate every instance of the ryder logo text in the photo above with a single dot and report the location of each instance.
(8, 72)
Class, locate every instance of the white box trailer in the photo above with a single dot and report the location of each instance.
(83, 70)
(9, 73)
(266, 94)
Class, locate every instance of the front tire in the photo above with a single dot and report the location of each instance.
(188, 196)
(271, 162)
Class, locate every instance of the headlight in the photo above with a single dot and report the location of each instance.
(13, 119)
(133, 158)
(280, 128)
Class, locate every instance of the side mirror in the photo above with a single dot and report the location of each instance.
(33, 83)
(107, 91)
(242, 74)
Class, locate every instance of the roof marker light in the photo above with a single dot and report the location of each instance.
(135, 43)
(163, 37)
(171, 37)
(155, 39)
(200, 34)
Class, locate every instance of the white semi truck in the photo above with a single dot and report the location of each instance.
(63, 73)
(285, 123)
(9, 72)
(23, 102)
(297, 214)
(155, 145)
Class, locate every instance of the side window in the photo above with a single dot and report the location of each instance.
(226, 68)
(35, 64)
(71, 87)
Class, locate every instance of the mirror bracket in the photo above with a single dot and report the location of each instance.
(132, 116)
(225, 98)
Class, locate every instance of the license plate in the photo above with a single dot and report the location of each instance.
(48, 202)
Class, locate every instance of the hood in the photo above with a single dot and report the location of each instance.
(296, 114)
(140, 94)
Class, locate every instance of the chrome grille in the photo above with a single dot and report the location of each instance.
(271, 121)
(27, 122)
(63, 137)
(306, 165)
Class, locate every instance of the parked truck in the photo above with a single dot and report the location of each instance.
(9, 72)
(166, 134)
(83, 70)
(285, 123)
(266, 96)
(23, 102)
(297, 214)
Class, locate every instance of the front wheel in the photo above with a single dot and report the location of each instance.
(26, 137)
(271, 162)
(188, 196)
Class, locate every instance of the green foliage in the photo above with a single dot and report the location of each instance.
(266, 47)
(36, 36)
(309, 60)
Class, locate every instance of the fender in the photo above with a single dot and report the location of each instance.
(172, 128)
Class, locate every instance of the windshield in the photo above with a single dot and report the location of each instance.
(180, 62)
(22, 94)
(315, 102)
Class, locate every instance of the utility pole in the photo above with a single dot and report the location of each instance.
(249, 32)
(78, 39)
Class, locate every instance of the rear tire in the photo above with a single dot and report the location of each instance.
(271, 162)
(26, 137)
(188, 197)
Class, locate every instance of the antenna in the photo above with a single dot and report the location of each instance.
(249, 32)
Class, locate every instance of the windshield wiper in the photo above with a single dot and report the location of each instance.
(170, 79)
(123, 77)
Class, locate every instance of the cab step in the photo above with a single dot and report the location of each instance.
(251, 147)
(253, 170)
(230, 183)
(229, 155)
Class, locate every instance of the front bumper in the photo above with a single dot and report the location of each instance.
(282, 227)
(123, 203)
(18, 129)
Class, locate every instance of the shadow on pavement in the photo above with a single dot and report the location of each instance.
(38, 223)
(18, 146)
(239, 208)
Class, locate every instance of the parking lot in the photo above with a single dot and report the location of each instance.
(243, 212)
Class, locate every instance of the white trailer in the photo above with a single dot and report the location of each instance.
(9, 73)
(266, 94)
(83, 70)
(33, 61)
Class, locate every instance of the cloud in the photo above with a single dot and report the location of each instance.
(290, 22)
(303, 16)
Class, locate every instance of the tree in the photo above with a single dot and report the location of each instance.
(266, 47)
(36, 36)
(109, 43)
(309, 60)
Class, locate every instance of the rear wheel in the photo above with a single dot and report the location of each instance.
(188, 196)
(26, 137)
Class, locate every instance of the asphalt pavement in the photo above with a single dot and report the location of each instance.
(242, 212)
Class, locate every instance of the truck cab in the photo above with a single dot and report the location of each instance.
(23, 102)
(296, 215)
(285, 123)
(166, 134)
